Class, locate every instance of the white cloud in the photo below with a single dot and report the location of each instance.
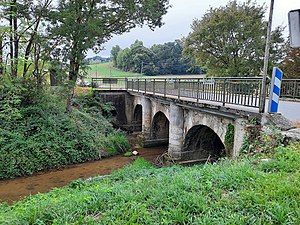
(179, 19)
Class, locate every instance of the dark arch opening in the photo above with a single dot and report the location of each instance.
(137, 118)
(160, 129)
(201, 142)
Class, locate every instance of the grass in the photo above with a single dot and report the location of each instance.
(245, 191)
(107, 70)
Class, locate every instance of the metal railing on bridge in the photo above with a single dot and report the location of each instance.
(109, 83)
(290, 88)
(238, 91)
(243, 91)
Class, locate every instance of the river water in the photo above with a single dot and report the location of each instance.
(14, 189)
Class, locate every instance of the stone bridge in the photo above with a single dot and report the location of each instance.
(197, 118)
(191, 131)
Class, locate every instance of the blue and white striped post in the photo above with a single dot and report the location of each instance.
(275, 90)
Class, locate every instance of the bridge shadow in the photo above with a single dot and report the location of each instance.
(159, 133)
(137, 118)
(202, 143)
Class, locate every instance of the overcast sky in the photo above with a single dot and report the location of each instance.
(179, 18)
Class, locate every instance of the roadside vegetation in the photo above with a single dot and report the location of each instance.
(249, 190)
(37, 134)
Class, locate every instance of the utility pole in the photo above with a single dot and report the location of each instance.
(266, 61)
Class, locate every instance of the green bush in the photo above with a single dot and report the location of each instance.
(43, 136)
(284, 160)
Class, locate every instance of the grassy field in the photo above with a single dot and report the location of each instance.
(244, 191)
(107, 70)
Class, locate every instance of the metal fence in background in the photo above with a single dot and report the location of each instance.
(109, 83)
(290, 88)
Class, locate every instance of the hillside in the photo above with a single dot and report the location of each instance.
(246, 191)
(107, 70)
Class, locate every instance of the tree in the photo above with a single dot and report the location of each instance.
(159, 59)
(291, 63)
(114, 54)
(86, 24)
(170, 59)
(230, 40)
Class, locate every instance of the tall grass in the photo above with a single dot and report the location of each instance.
(246, 191)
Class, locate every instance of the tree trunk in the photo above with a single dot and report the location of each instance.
(1, 57)
(11, 46)
(13, 39)
(16, 45)
(29, 47)
(71, 83)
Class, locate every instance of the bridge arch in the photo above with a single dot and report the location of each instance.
(160, 126)
(201, 142)
(138, 117)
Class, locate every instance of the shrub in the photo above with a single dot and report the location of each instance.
(45, 137)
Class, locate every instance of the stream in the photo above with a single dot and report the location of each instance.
(15, 189)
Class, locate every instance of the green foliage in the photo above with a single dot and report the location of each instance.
(46, 137)
(229, 137)
(10, 99)
(227, 192)
(291, 63)
(87, 25)
(230, 40)
(157, 60)
(284, 160)
(263, 141)
(128, 154)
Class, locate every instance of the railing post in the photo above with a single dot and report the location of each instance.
(138, 80)
(198, 87)
(145, 86)
(224, 92)
(110, 81)
(179, 88)
(294, 88)
(126, 83)
(132, 82)
(153, 86)
(165, 88)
